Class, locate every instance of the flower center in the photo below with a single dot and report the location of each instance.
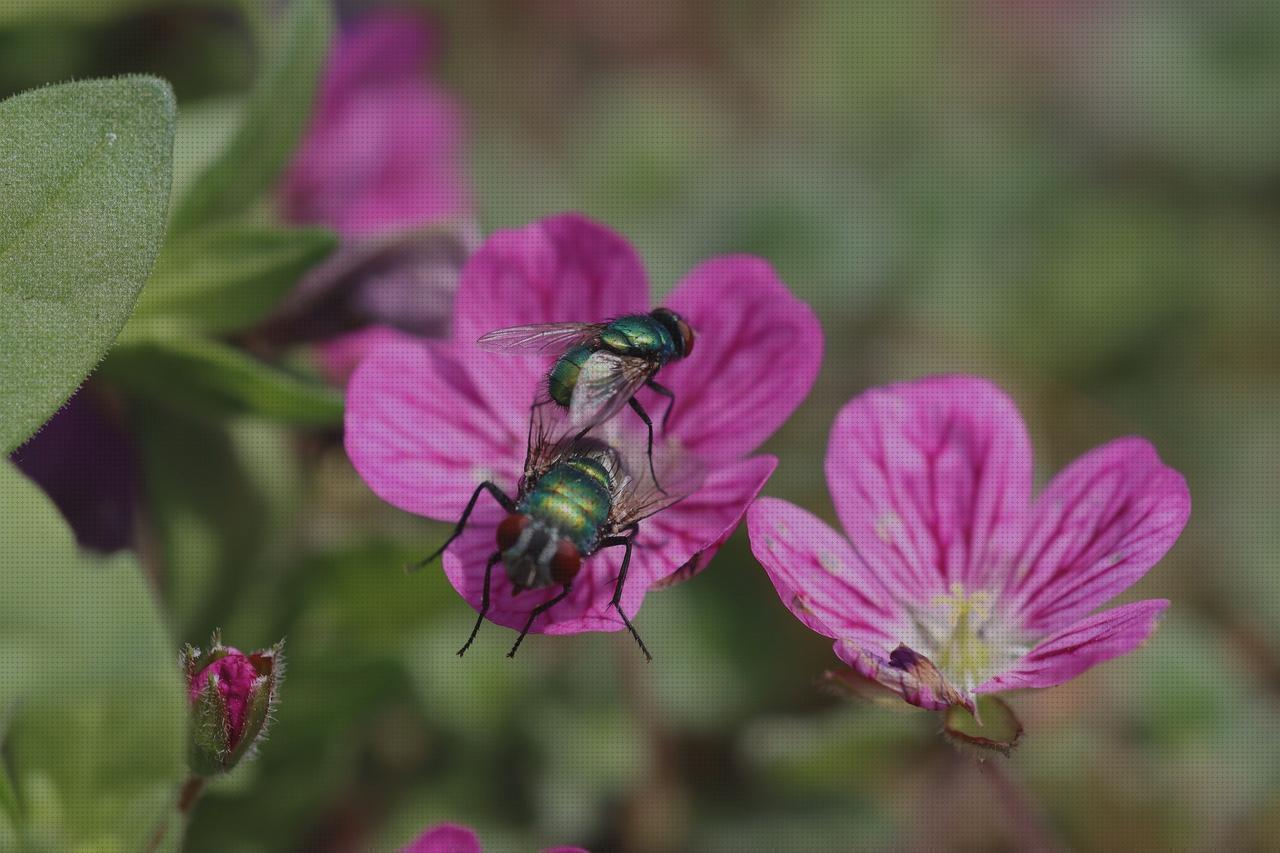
(965, 649)
(966, 639)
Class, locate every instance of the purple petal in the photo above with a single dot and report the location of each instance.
(819, 578)
(1085, 644)
(906, 672)
(557, 270)
(667, 541)
(86, 464)
(755, 358)
(1098, 527)
(445, 838)
(420, 433)
(384, 149)
(931, 480)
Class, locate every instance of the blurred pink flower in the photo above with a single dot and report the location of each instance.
(953, 582)
(452, 838)
(385, 146)
(383, 155)
(428, 422)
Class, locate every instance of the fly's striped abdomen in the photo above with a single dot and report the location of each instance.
(639, 335)
(564, 375)
(574, 498)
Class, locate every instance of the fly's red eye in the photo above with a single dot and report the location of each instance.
(687, 335)
(566, 562)
(510, 529)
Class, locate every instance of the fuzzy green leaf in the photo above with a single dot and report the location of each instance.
(97, 735)
(227, 277)
(210, 379)
(84, 188)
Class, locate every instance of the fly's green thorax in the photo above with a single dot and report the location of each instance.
(639, 335)
(564, 375)
(575, 498)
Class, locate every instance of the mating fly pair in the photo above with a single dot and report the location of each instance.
(584, 487)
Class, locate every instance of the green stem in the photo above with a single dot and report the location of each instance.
(1032, 832)
(187, 797)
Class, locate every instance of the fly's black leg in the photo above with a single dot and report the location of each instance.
(671, 401)
(534, 614)
(484, 602)
(498, 495)
(628, 540)
(644, 416)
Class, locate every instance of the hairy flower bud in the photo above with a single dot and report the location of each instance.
(232, 695)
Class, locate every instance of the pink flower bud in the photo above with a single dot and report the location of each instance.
(232, 696)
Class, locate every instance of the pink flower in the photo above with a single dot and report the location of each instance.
(953, 582)
(385, 146)
(383, 156)
(426, 423)
(452, 838)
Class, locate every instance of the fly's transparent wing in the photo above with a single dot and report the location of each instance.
(605, 384)
(551, 437)
(542, 337)
(680, 474)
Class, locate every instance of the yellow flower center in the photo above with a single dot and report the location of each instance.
(963, 647)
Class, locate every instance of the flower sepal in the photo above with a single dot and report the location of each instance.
(995, 728)
(845, 682)
(232, 695)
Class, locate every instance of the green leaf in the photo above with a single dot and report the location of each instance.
(211, 379)
(83, 195)
(209, 518)
(278, 110)
(47, 11)
(229, 276)
(98, 737)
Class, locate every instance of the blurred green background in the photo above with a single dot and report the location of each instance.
(1077, 198)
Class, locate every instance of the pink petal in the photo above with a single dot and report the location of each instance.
(388, 45)
(718, 506)
(390, 159)
(667, 541)
(819, 578)
(445, 838)
(384, 148)
(340, 356)
(755, 358)
(562, 269)
(931, 480)
(1085, 644)
(421, 435)
(1098, 527)
(235, 674)
(557, 270)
